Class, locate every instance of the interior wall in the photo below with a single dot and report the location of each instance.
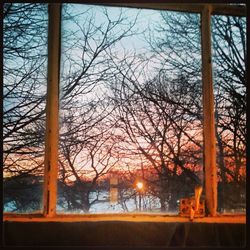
(117, 233)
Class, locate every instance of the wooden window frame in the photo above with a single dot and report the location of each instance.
(52, 124)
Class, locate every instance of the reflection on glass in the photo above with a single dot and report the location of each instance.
(130, 110)
(24, 92)
(229, 57)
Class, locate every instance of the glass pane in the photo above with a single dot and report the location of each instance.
(229, 69)
(24, 92)
(130, 110)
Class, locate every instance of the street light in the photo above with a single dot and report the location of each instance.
(139, 186)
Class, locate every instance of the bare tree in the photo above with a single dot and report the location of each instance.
(82, 164)
(229, 37)
(162, 120)
(177, 45)
(24, 71)
(24, 77)
(84, 68)
(87, 131)
(118, 110)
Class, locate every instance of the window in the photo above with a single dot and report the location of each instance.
(127, 115)
(229, 57)
(24, 95)
(131, 122)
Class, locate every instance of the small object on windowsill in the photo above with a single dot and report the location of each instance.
(192, 212)
(193, 207)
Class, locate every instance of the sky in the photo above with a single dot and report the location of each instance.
(145, 18)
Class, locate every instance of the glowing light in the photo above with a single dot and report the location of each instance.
(139, 185)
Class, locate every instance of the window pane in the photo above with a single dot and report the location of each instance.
(25, 78)
(229, 57)
(130, 110)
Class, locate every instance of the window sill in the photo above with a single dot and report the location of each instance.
(220, 218)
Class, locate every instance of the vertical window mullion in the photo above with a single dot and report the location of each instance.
(208, 113)
(52, 109)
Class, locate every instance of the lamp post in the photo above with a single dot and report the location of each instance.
(139, 186)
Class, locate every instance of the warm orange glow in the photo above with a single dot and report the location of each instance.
(139, 185)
